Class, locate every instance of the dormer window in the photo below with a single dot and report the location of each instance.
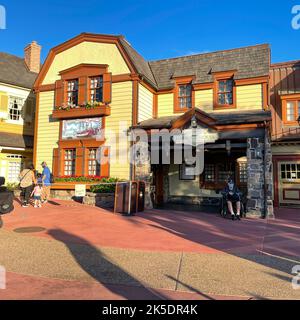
(291, 109)
(225, 92)
(72, 92)
(185, 96)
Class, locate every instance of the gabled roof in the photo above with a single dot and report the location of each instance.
(250, 62)
(215, 118)
(14, 71)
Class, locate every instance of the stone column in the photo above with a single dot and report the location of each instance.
(143, 173)
(260, 183)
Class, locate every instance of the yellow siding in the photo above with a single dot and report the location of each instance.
(48, 130)
(249, 97)
(145, 105)
(87, 52)
(17, 128)
(204, 100)
(165, 104)
(121, 111)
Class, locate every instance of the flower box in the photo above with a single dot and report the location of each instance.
(81, 112)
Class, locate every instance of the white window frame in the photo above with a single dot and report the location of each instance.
(20, 107)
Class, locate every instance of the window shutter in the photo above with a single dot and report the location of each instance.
(3, 103)
(82, 91)
(105, 163)
(55, 163)
(59, 93)
(107, 81)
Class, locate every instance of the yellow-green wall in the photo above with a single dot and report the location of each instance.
(204, 99)
(249, 97)
(87, 52)
(165, 104)
(189, 188)
(121, 110)
(48, 129)
(145, 103)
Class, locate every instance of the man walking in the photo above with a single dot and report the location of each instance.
(46, 177)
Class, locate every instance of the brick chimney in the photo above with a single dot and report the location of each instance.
(32, 55)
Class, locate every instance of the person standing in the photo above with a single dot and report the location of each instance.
(46, 177)
(27, 181)
(37, 193)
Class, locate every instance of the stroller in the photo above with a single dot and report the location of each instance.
(6, 198)
(224, 212)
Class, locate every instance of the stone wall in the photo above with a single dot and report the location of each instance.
(102, 200)
(260, 183)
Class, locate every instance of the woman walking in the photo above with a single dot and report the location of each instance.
(27, 181)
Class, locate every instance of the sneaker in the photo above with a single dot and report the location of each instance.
(40, 205)
(232, 217)
(45, 201)
(238, 217)
(35, 206)
(25, 205)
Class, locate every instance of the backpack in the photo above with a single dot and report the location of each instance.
(51, 178)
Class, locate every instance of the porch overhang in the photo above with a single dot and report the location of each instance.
(220, 121)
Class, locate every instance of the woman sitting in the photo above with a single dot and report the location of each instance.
(232, 194)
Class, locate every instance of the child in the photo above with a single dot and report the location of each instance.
(37, 193)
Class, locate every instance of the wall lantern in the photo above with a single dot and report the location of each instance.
(194, 122)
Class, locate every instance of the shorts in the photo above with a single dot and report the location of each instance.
(37, 197)
(233, 198)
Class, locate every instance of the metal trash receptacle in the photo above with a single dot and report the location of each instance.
(126, 198)
(129, 197)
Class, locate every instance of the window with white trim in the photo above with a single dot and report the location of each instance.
(15, 108)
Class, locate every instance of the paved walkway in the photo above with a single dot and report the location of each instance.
(83, 252)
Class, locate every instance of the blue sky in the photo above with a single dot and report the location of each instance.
(157, 29)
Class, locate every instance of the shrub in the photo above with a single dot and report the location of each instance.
(12, 186)
(108, 185)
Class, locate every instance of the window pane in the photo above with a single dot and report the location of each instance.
(290, 111)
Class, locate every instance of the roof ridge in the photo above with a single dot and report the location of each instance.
(289, 62)
(212, 52)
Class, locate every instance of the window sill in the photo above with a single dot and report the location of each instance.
(102, 110)
(182, 110)
(224, 106)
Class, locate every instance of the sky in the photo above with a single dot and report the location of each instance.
(156, 29)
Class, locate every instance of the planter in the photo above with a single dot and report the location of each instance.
(81, 112)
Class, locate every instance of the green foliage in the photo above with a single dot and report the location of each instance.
(12, 186)
(108, 185)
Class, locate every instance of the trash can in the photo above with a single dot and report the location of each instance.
(126, 198)
(129, 197)
(6, 198)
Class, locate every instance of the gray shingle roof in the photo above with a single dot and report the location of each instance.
(250, 62)
(13, 70)
(14, 140)
(139, 62)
